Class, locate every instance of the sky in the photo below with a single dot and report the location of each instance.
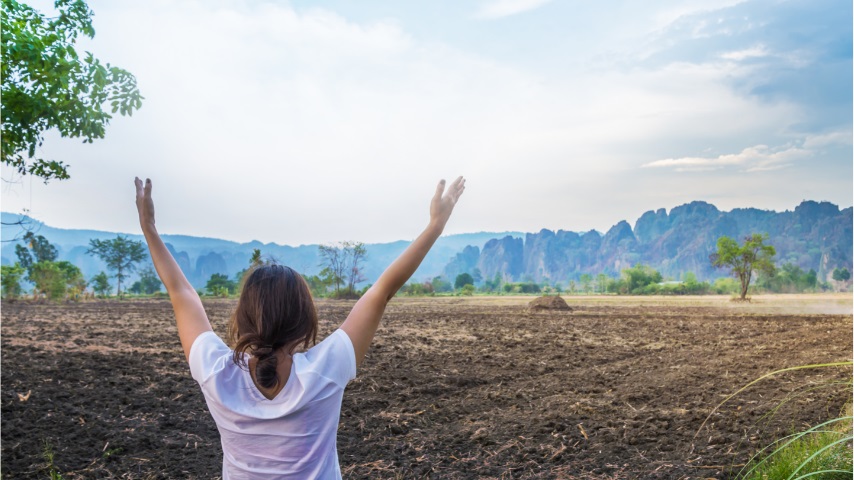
(318, 121)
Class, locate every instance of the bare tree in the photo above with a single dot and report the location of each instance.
(334, 264)
(355, 253)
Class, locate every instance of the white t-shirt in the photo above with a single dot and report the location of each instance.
(294, 434)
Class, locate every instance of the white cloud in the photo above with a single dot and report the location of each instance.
(757, 158)
(757, 51)
(839, 137)
(506, 8)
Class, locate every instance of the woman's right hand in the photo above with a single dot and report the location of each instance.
(144, 203)
(444, 201)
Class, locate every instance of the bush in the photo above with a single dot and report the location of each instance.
(468, 290)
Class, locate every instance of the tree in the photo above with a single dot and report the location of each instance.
(742, 260)
(477, 276)
(101, 284)
(342, 262)
(47, 85)
(220, 284)
(74, 280)
(841, 274)
(601, 282)
(38, 249)
(256, 260)
(10, 278)
(334, 265)
(355, 253)
(120, 254)
(586, 279)
(148, 281)
(467, 290)
(440, 285)
(462, 280)
(639, 276)
(48, 279)
(55, 279)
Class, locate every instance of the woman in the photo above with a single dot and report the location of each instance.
(277, 410)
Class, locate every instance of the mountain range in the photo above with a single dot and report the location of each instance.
(199, 257)
(815, 235)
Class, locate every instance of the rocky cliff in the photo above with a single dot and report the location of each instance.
(816, 235)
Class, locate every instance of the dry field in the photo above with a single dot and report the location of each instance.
(453, 387)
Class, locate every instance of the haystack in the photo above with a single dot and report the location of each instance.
(549, 303)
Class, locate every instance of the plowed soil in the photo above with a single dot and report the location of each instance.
(452, 388)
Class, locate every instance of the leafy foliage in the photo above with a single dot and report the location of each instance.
(462, 280)
(220, 284)
(742, 260)
(148, 282)
(10, 278)
(841, 274)
(55, 279)
(101, 284)
(38, 249)
(120, 254)
(46, 85)
(790, 278)
(440, 285)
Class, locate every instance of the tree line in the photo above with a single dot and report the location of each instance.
(749, 263)
(342, 271)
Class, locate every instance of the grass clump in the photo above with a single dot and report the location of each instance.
(822, 452)
(47, 454)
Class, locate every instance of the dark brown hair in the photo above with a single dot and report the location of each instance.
(275, 310)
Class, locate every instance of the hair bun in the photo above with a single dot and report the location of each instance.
(264, 350)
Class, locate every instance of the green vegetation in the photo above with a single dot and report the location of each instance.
(789, 278)
(841, 274)
(220, 285)
(120, 254)
(148, 283)
(743, 260)
(462, 280)
(821, 451)
(47, 85)
(101, 284)
(342, 264)
(47, 454)
(10, 278)
(52, 278)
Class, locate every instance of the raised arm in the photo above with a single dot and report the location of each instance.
(362, 323)
(189, 313)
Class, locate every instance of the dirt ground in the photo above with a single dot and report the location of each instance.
(452, 388)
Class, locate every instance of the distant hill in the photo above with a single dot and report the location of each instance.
(199, 257)
(816, 235)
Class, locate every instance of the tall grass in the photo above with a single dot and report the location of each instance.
(823, 451)
(820, 452)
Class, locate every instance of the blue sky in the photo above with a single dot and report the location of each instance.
(318, 121)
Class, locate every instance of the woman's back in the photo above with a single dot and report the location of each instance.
(292, 435)
(270, 430)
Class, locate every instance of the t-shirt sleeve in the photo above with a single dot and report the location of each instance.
(334, 358)
(207, 349)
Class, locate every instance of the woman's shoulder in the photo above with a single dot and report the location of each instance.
(333, 358)
(207, 355)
